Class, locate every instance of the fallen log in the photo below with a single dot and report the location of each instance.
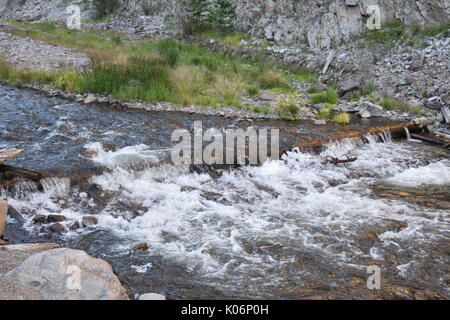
(10, 172)
(9, 154)
(431, 139)
(397, 131)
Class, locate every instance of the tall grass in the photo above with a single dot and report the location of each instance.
(329, 96)
(155, 71)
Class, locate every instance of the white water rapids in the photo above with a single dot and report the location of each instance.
(251, 222)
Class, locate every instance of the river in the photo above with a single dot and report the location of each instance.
(298, 228)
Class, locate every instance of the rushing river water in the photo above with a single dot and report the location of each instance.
(289, 229)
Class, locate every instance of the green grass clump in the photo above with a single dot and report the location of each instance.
(170, 50)
(329, 96)
(392, 103)
(433, 31)
(287, 106)
(270, 79)
(341, 118)
(387, 35)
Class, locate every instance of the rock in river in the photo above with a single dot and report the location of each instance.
(89, 221)
(66, 274)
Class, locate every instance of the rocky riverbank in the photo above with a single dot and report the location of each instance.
(45, 271)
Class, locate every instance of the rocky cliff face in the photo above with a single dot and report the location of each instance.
(324, 22)
(321, 23)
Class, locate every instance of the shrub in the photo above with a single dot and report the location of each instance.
(287, 106)
(214, 14)
(325, 113)
(329, 96)
(269, 80)
(252, 91)
(104, 8)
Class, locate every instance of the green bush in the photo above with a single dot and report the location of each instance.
(215, 14)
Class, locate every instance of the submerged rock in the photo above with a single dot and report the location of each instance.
(66, 274)
(142, 246)
(55, 218)
(57, 228)
(89, 221)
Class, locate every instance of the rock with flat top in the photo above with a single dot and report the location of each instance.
(66, 274)
(9, 154)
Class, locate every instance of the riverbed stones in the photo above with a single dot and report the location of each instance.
(57, 228)
(55, 218)
(89, 221)
(3, 214)
(66, 274)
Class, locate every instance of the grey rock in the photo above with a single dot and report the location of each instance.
(66, 274)
(417, 61)
(320, 122)
(349, 85)
(90, 99)
(369, 110)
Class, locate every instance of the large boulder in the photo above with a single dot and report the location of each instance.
(67, 274)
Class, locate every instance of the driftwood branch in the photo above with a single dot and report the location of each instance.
(337, 161)
(9, 154)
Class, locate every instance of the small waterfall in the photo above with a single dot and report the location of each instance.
(19, 190)
(408, 136)
(386, 136)
(56, 186)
